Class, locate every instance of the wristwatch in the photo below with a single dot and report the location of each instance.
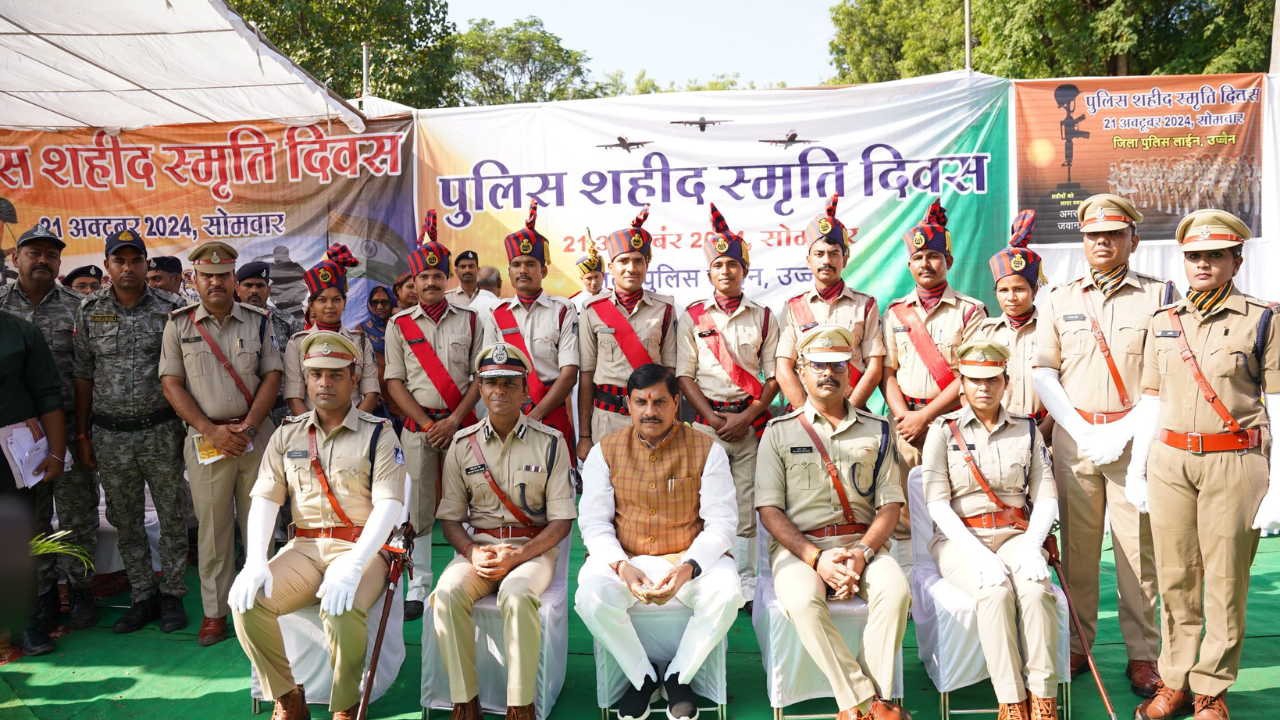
(866, 551)
(251, 431)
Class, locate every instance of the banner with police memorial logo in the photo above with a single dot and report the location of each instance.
(768, 159)
(276, 193)
(1170, 145)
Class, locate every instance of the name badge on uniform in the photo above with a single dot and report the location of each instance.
(707, 333)
(900, 328)
(415, 341)
(605, 331)
(1073, 318)
(797, 450)
(808, 326)
(475, 469)
(511, 331)
(192, 340)
(957, 447)
(1167, 333)
(102, 318)
(296, 454)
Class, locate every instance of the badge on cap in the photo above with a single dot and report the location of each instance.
(722, 246)
(1018, 263)
(1204, 232)
(324, 349)
(979, 356)
(432, 259)
(126, 236)
(637, 242)
(1100, 214)
(41, 230)
(214, 258)
(324, 275)
(827, 344)
(526, 247)
(500, 354)
(918, 240)
(824, 226)
(153, 262)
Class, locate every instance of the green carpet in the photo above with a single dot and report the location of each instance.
(96, 674)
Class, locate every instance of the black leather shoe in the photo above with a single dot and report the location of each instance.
(682, 703)
(172, 615)
(48, 611)
(634, 704)
(34, 641)
(84, 609)
(141, 613)
(413, 610)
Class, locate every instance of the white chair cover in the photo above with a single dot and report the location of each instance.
(491, 666)
(660, 628)
(945, 616)
(790, 674)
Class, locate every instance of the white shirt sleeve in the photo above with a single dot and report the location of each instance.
(596, 509)
(719, 509)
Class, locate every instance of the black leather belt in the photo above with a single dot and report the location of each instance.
(131, 424)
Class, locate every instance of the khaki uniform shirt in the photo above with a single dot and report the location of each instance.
(55, 315)
(1223, 344)
(118, 348)
(1020, 395)
(951, 324)
(855, 311)
(1012, 457)
(456, 341)
(295, 376)
(791, 475)
(742, 335)
(253, 353)
(459, 297)
(599, 348)
(1065, 342)
(551, 340)
(531, 466)
(357, 478)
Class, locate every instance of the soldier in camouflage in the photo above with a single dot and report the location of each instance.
(254, 288)
(137, 437)
(38, 298)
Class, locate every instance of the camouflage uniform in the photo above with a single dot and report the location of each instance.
(286, 326)
(118, 348)
(76, 492)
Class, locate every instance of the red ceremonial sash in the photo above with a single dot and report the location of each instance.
(929, 353)
(745, 381)
(557, 418)
(802, 314)
(435, 370)
(622, 332)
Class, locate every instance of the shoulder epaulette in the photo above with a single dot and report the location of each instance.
(296, 418)
(898, 301)
(255, 308)
(406, 311)
(468, 430)
(596, 298)
(788, 416)
(870, 415)
(543, 428)
(1261, 303)
(797, 297)
(300, 333)
(370, 417)
(942, 419)
(666, 299)
(184, 308)
(466, 308)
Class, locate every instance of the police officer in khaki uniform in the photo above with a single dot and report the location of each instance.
(725, 344)
(827, 537)
(831, 302)
(590, 273)
(1088, 368)
(467, 266)
(220, 370)
(431, 349)
(344, 514)
(1017, 274)
(516, 524)
(621, 330)
(1201, 464)
(990, 492)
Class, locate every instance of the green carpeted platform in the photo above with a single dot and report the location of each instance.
(96, 674)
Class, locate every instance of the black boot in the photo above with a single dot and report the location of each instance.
(84, 610)
(172, 615)
(413, 610)
(34, 641)
(141, 613)
(48, 611)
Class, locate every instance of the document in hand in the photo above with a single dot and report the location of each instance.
(25, 447)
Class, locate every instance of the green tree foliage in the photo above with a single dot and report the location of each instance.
(522, 63)
(879, 40)
(410, 44)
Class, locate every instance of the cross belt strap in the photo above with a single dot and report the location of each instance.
(493, 484)
(626, 335)
(222, 358)
(710, 334)
(849, 517)
(1106, 349)
(510, 331)
(938, 367)
(977, 475)
(431, 365)
(1189, 357)
(324, 481)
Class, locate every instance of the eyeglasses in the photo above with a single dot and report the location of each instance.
(380, 303)
(839, 368)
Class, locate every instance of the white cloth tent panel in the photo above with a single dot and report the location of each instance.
(132, 63)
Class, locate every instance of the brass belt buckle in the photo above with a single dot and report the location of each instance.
(1197, 440)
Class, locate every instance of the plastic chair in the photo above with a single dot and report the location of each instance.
(491, 667)
(947, 625)
(791, 676)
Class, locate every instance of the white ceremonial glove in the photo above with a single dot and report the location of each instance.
(1029, 558)
(337, 592)
(1268, 517)
(1102, 444)
(1144, 421)
(1109, 441)
(256, 574)
(988, 569)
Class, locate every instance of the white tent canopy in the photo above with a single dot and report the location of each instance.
(131, 63)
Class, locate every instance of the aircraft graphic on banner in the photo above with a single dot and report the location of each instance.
(788, 140)
(626, 144)
(701, 123)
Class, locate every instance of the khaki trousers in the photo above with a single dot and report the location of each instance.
(1086, 493)
(604, 422)
(220, 494)
(1202, 509)
(908, 459)
(297, 572)
(1017, 621)
(423, 463)
(742, 465)
(804, 598)
(519, 598)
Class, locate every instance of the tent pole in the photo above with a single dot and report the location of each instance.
(364, 85)
(968, 38)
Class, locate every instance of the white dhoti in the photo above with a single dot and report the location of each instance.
(603, 600)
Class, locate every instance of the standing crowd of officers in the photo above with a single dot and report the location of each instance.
(1116, 399)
